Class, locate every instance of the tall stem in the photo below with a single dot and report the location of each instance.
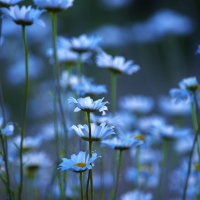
(118, 174)
(58, 92)
(25, 110)
(114, 91)
(81, 184)
(196, 129)
(80, 69)
(90, 150)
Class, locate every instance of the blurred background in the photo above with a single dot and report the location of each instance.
(161, 36)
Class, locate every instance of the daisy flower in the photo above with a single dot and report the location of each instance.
(135, 194)
(121, 143)
(84, 43)
(117, 64)
(88, 105)
(24, 15)
(8, 129)
(54, 5)
(78, 163)
(97, 132)
(6, 3)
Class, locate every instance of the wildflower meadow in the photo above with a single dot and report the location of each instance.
(99, 100)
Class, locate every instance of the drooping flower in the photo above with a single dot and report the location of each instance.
(88, 105)
(6, 3)
(121, 143)
(78, 163)
(188, 87)
(137, 103)
(97, 132)
(24, 15)
(54, 5)
(117, 64)
(84, 43)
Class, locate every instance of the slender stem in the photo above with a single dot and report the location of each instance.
(138, 165)
(24, 112)
(162, 167)
(118, 174)
(102, 175)
(87, 186)
(90, 150)
(80, 69)
(81, 184)
(5, 157)
(114, 91)
(58, 92)
(196, 129)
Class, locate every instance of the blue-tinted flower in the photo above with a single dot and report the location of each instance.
(88, 105)
(78, 163)
(121, 143)
(54, 5)
(138, 104)
(116, 64)
(188, 87)
(169, 107)
(84, 43)
(24, 15)
(86, 87)
(8, 130)
(6, 3)
(135, 194)
(97, 132)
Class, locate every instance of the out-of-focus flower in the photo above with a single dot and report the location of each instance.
(121, 143)
(135, 194)
(6, 3)
(169, 107)
(8, 129)
(78, 163)
(68, 80)
(88, 105)
(84, 44)
(97, 132)
(86, 87)
(188, 87)
(117, 3)
(117, 64)
(54, 5)
(24, 15)
(136, 103)
(162, 23)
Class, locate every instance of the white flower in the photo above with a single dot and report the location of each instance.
(5, 3)
(116, 64)
(190, 83)
(135, 194)
(78, 163)
(8, 129)
(88, 105)
(54, 5)
(97, 132)
(24, 15)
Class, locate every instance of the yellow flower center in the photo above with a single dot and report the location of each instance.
(197, 167)
(140, 137)
(81, 164)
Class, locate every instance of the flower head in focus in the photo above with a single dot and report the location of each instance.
(7, 3)
(23, 16)
(84, 44)
(78, 163)
(117, 64)
(54, 5)
(88, 105)
(97, 132)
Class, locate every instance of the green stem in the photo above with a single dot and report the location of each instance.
(90, 150)
(81, 184)
(24, 112)
(138, 166)
(5, 158)
(80, 68)
(102, 175)
(162, 167)
(196, 130)
(113, 91)
(118, 174)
